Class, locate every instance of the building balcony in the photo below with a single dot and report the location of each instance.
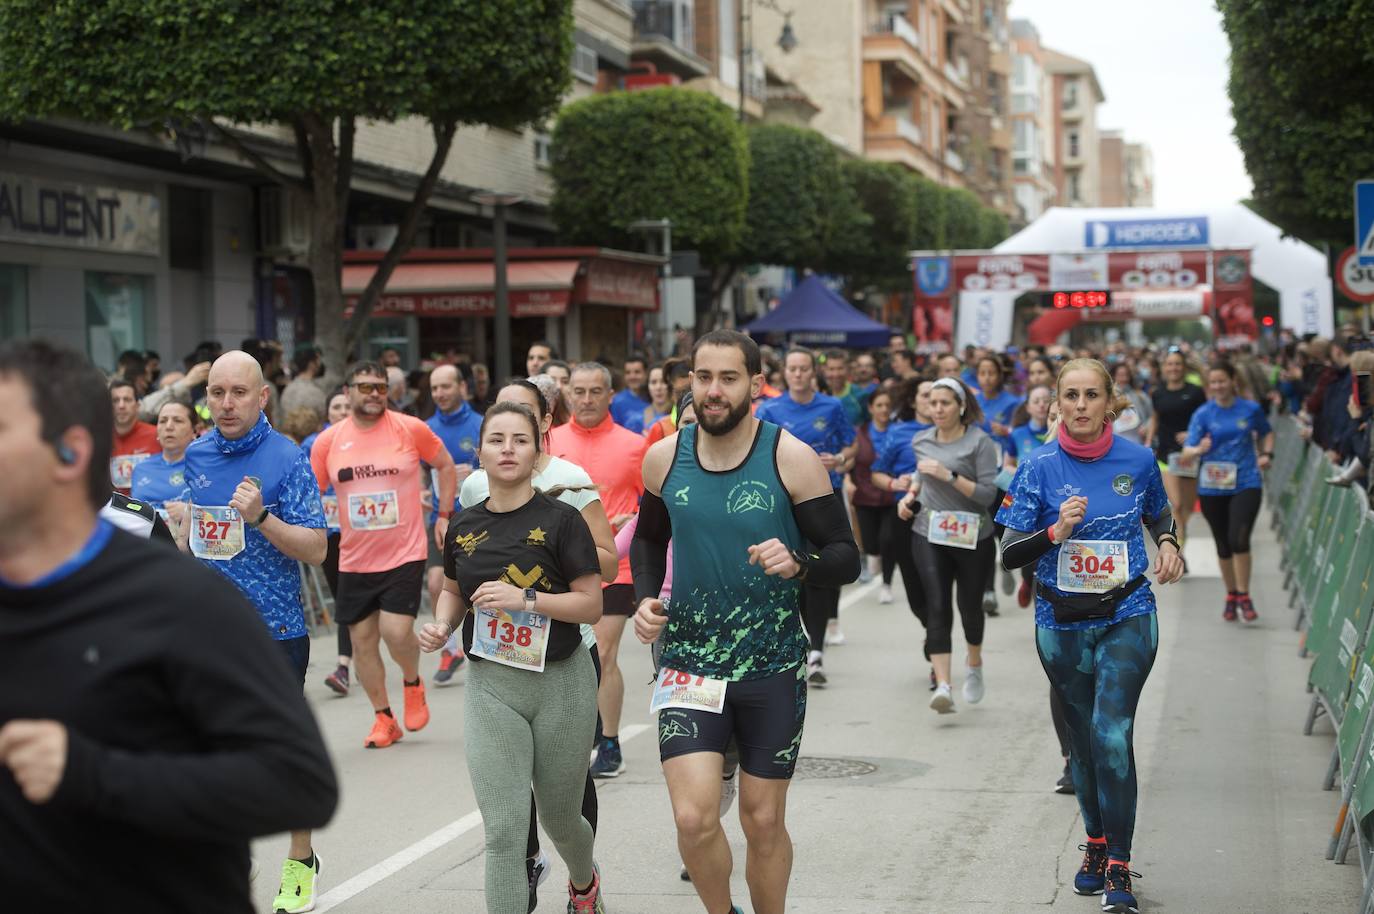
(893, 40)
(999, 134)
(1000, 62)
(1072, 113)
(664, 37)
(894, 138)
(958, 75)
(954, 160)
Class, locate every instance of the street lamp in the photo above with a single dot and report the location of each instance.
(787, 40)
(499, 202)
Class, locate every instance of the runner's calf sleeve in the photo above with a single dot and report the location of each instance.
(834, 556)
(649, 548)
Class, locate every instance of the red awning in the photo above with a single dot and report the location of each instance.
(537, 288)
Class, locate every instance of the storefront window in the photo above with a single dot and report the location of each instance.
(394, 333)
(14, 302)
(116, 308)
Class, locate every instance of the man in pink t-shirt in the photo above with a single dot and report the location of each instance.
(613, 458)
(372, 459)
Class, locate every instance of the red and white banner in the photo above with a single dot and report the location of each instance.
(1234, 294)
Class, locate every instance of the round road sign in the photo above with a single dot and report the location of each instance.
(1357, 282)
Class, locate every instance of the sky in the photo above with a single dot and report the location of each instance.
(1163, 67)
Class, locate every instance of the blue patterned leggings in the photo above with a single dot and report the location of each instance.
(1099, 673)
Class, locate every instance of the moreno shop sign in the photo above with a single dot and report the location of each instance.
(55, 213)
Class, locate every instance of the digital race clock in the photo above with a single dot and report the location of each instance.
(1095, 299)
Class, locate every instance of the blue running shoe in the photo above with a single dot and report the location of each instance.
(1119, 898)
(1090, 877)
(608, 763)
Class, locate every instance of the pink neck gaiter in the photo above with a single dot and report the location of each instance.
(1093, 450)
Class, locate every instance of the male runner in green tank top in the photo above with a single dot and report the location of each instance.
(739, 498)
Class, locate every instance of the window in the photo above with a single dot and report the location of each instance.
(1021, 167)
(726, 17)
(1020, 74)
(1023, 133)
(584, 63)
(1075, 187)
(1071, 93)
(543, 147)
(1073, 144)
(117, 308)
(14, 302)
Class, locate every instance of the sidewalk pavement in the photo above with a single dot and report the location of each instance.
(896, 809)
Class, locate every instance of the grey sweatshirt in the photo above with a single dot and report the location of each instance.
(974, 456)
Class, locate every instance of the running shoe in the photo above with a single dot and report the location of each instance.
(299, 887)
(1118, 897)
(1025, 593)
(590, 902)
(1065, 783)
(1247, 609)
(338, 680)
(885, 594)
(990, 602)
(385, 731)
(1091, 876)
(684, 875)
(1008, 583)
(815, 676)
(1229, 613)
(417, 709)
(865, 575)
(728, 788)
(449, 662)
(537, 870)
(973, 685)
(609, 763)
(833, 636)
(942, 701)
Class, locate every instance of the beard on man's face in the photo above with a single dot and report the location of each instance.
(715, 424)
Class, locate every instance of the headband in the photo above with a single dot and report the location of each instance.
(548, 389)
(951, 384)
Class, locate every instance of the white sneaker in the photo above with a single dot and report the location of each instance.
(973, 685)
(1008, 583)
(833, 635)
(885, 595)
(942, 701)
(865, 575)
(728, 788)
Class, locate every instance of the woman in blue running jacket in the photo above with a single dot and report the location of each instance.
(1077, 509)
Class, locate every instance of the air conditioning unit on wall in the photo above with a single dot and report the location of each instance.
(283, 223)
(376, 237)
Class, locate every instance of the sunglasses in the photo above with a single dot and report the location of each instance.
(369, 387)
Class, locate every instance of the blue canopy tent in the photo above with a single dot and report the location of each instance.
(812, 314)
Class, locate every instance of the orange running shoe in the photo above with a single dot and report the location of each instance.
(417, 709)
(385, 731)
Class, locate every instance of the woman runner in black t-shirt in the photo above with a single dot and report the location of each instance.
(1175, 401)
(521, 573)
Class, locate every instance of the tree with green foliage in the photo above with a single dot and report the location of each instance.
(317, 67)
(876, 256)
(1302, 93)
(993, 228)
(931, 205)
(667, 153)
(963, 215)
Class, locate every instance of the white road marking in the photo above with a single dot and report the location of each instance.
(420, 849)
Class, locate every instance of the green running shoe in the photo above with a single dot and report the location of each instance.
(299, 884)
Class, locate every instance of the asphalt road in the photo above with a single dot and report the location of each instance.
(896, 809)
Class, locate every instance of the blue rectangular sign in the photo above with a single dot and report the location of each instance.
(1186, 231)
(1364, 222)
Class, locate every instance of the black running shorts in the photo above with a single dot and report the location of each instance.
(765, 716)
(363, 593)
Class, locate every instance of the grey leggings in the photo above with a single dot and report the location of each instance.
(523, 727)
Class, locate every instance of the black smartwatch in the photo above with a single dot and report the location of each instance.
(802, 560)
(530, 594)
(261, 518)
(953, 476)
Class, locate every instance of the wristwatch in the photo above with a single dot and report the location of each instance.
(953, 476)
(530, 594)
(261, 518)
(804, 563)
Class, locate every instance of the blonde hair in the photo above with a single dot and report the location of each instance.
(1363, 360)
(1118, 401)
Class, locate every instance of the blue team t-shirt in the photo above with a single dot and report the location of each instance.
(461, 432)
(1025, 439)
(897, 457)
(999, 409)
(214, 468)
(1233, 430)
(1124, 490)
(822, 423)
(157, 482)
(627, 411)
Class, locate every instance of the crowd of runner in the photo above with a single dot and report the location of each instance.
(716, 502)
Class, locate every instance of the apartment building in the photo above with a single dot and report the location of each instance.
(1076, 93)
(1140, 175)
(1032, 119)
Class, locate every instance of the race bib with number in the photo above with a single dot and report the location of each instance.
(515, 639)
(673, 689)
(373, 511)
(122, 469)
(954, 528)
(331, 511)
(1219, 475)
(1180, 467)
(1092, 566)
(216, 533)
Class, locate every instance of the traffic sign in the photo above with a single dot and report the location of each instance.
(1355, 279)
(1364, 222)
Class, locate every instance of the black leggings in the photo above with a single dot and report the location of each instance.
(819, 606)
(1231, 518)
(589, 804)
(331, 579)
(942, 568)
(1061, 726)
(911, 578)
(875, 530)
